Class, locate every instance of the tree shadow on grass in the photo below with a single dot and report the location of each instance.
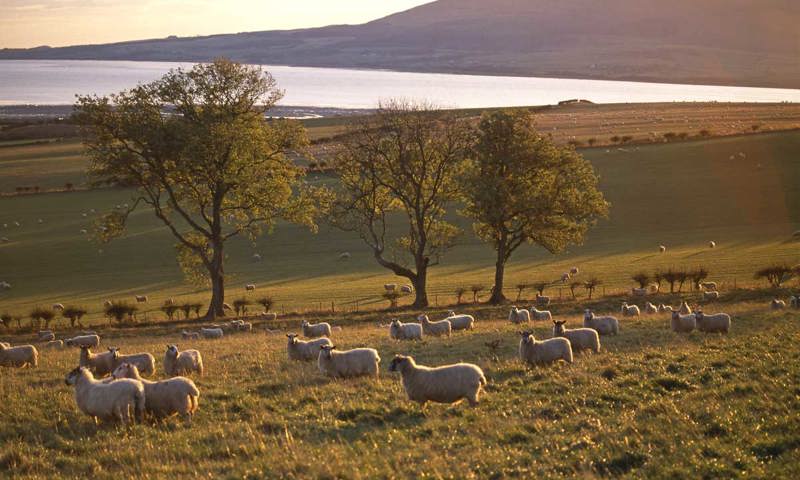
(359, 421)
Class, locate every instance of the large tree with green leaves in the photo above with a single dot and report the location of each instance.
(403, 162)
(200, 153)
(521, 188)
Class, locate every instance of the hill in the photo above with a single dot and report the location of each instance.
(731, 42)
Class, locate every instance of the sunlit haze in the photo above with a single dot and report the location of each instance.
(29, 23)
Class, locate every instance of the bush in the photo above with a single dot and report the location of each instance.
(186, 308)
(41, 316)
(572, 287)
(697, 276)
(460, 291)
(520, 288)
(642, 279)
(196, 307)
(392, 297)
(240, 306)
(266, 302)
(540, 286)
(476, 290)
(776, 274)
(590, 285)
(74, 314)
(671, 277)
(169, 309)
(120, 311)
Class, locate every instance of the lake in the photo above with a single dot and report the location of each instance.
(43, 82)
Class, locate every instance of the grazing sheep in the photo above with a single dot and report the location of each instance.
(630, 310)
(83, 341)
(57, 344)
(639, 292)
(436, 329)
(606, 325)
(115, 400)
(712, 295)
(182, 363)
(141, 298)
(708, 285)
(565, 277)
(390, 287)
(58, 306)
(405, 331)
(716, 323)
(145, 362)
(304, 351)
(100, 364)
(211, 333)
(461, 321)
(348, 363)
(542, 300)
(682, 323)
(5, 286)
(712, 244)
(190, 335)
(316, 330)
(664, 308)
(249, 287)
(551, 350)
(406, 289)
(165, 398)
(662, 248)
(573, 271)
(20, 356)
(269, 316)
(777, 304)
(445, 384)
(46, 336)
(685, 308)
(344, 256)
(579, 338)
(245, 327)
(650, 308)
(537, 314)
(519, 316)
(256, 257)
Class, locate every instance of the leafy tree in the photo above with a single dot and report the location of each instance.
(641, 278)
(476, 290)
(169, 309)
(240, 306)
(213, 168)
(266, 302)
(121, 310)
(186, 308)
(519, 187)
(460, 291)
(196, 307)
(41, 316)
(697, 276)
(540, 287)
(671, 277)
(74, 314)
(776, 274)
(682, 275)
(404, 160)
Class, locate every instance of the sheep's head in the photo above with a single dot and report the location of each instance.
(292, 338)
(114, 352)
(423, 318)
(325, 351)
(72, 377)
(399, 362)
(588, 314)
(304, 324)
(172, 350)
(558, 327)
(527, 337)
(124, 370)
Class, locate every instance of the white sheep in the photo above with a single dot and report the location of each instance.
(565, 277)
(58, 306)
(99, 363)
(685, 308)
(256, 257)
(53, 344)
(777, 304)
(117, 400)
(250, 287)
(718, 322)
(269, 316)
(83, 341)
(211, 333)
(540, 314)
(519, 316)
(712, 295)
(46, 337)
(227, 306)
(650, 308)
(664, 308)
(302, 350)
(662, 248)
(316, 330)
(5, 286)
(348, 363)
(344, 256)
(406, 289)
(20, 356)
(405, 331)
(460, 321)
(639, 292)
(630, 310)
(182, 363)
(579, 338)
(542, 300)
(445, 384)
(436, 329)
(4, 240)
(794, 301)
(606, 325)
(708, 285)
(682, 323)
(141, 298)
(145, 362)
(190, 335)
(573, 271)
(545, 351)
(165, 398)
(390, 287)
(712, 244)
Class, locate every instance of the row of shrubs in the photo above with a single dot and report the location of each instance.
(667, 137)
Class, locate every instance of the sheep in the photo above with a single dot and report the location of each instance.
(250, 287)
(436, 329)
(20, 356)
(114, 400)
(390, 287)
(551, 350)
(145, 362)
(211, 333)
(712, 295)
(245, 327)
(5, 286)
(107, 303)
(405, 331)
(604, 325)
(630, 310)
(708, 285)
(304, 351)
(269, 316)
(445, 384)
(540, 314)
(519, 316)
(58, 306)
(685, 308)
(83, 341)
(99, 363)
(573, 271)
(565, 277)
(579, 338)
(344, 256)
(348, 363)
(682, 323)
(461, 321)
(165, 398)
(256, 257)
(409, 289)
(4, 344)
(4, 240)
(650, 308)
(662, 248)
(718, 322)
(190, 335)
(664, 308)
(639, 292)
(794, 301)
(654, 288)
(227, 306)
(777, 304)
(712, 244)
(46, 336)
(141, 298)
(182, 363)
(542, 300)
(57, 344)
(316, 330)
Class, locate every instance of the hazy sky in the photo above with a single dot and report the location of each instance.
(29, 23)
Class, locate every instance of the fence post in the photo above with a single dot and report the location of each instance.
(436, 300)
(333, 307)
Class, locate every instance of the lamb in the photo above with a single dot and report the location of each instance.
(141, 298)
(406, 289)
(304, 351)
(114, 400)
(182, 363)
(58, 306)
(165, 398)
(46, 336)
(190, 335)
(682, 323)
(405, 331)
(316, 330)
(445, 384)
(573, 271)
(269, 316)
(650, 308)
(99, 363)
(685, 308)
(20, 356)
(541, 314)
(630, 310)
(83, 341)
(249, 287)
(662, 248)
(604, 325)
(348, 363)
(708, 285)
(551, 350)
(344, 256)
(777, 304)
(211, 333)
(579, 338)
(664, 308)
(145, 362)
(390, 287)
(639, 292)
(460, 321)
(712, 295)
(712, 244)
(57, 344)
(436, 329)
(519, 316)
(542, 300)
(718, 322)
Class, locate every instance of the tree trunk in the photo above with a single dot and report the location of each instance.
(217, 275)
(499, 273)
(421, 287)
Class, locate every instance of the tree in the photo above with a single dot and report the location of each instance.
(203, 157)
(519, 187)
(240, 306)
(697, 276)
(405, 161)
(460, 291)
(266, 302)
(476, 291)
(591, 285)
(641, 278)
(572, 287)
(520, 288)
(74, 314)
(776, 274)
(41, 316)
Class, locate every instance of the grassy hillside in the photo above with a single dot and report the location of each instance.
(742, 192)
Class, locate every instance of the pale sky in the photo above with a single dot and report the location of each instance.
(30, 23)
